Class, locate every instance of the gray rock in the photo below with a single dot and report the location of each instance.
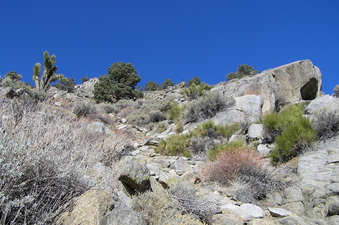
(99, 128)
(245, 211)
(293, 220)
(255, 131)
(324, 103)
(333, 220)
(334, 188)
(123, 215)
(181, 165)
(290, 83)
(265, 149)
(279, 212)
(333, 209)
(295, 207)
(88, 208)
(135, 176)
(220, 219)
(293, 194)
(236, 137)
(247, 109)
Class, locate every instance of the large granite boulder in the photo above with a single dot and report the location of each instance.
(290, 83)
(89, 208)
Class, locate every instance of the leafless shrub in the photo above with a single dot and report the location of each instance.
(190, 204)
(45, 154)
(200, 145)
(207, 106)
(326, 124)
(84, 110)
(244, 171)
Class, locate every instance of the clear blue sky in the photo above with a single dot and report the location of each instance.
(178, 39)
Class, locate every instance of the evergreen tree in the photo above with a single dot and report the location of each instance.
(151, 86)
(118, 84)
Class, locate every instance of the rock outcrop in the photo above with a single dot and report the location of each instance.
(290, 83)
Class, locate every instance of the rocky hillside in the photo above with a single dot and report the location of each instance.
(262, 149)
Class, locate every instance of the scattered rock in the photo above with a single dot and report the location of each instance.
(333, 209)
(255, 131)
(135, 177)
(245, 211)
(293, 194)
(279, 212)
(265, 149)
(123, 215)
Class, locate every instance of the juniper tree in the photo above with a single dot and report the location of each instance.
(118, 84)
(49, 75)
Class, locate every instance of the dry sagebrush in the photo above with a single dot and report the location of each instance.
(244, 172)
(45, 154)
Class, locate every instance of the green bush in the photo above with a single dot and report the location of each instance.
(194, 90)
(242, 71)
(194, 80)
(291, 130)
(118, 84)
(175, 145)
(174, 112)
(65, 84)
(138, 118)
(214, 131)
(151, 86)
(167, 83)
(206, 107)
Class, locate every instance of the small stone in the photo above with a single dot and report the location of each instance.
(279, 212)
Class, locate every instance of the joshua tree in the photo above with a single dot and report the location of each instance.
(42, 82)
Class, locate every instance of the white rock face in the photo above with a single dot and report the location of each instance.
(322, 104)
(290, 83)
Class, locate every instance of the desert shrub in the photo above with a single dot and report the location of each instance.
(206, 107)
(174, 112)
(84, 110)
(228, 163)
(108, 108)
(199, 145)
(45, 157)
(291, 130)
(190, 204)
(243, 171)
(65, 84)
(175, 145)
(84, 79)
(214, 131)
(161, 127)
(179, 127)
(326, 124)
(194, 80)
(336, 91)
(194, 90)
(157, 116)
(219, 148)
(124, 103)
(138, 118)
